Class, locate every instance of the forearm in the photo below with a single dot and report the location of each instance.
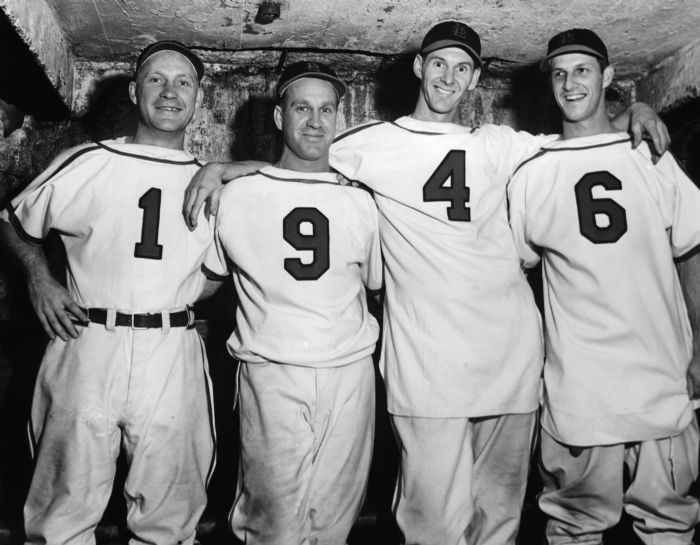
(29, 258)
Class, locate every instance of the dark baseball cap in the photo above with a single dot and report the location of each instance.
(309, 69)
(575, 40)
(170, 45)
(453, 34)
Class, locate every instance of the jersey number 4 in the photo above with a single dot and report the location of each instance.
(457, 193)
(590, 209)
(148, 247)
(317, 242)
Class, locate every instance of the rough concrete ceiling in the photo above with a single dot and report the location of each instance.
(639, 33)
(64, 33)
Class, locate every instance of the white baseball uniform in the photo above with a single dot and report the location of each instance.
(117, 208)
(608, 225)
(462, 334)
(301, 249)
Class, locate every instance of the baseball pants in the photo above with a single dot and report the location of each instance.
(147, 390)
(462, 480)
(584, 494)
(306, 447)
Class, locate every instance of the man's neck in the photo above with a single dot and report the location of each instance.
(599, 124)
(423, 113)
(289, 161)
(148, 137)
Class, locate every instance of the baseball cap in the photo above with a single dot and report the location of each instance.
(575, 40)
(453, 34)
(309, 69)
(170, 45)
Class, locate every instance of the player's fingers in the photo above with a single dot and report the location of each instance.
(636, 129)
(67, 325)
(76, 311)
(214, 201)
(187, 210)
(665, 137)
(45, 324)
(196, 207)
(55, 325)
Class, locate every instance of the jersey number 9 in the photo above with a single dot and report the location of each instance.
(317, 242)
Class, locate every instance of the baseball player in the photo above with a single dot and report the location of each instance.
(622, 358)
(134, 373)
(461, 351)
(301, 249)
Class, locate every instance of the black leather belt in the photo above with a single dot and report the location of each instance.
(182, 318)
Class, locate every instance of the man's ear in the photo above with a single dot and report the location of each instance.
(475, 79)
(200, 97)
(608, 75)
(277, 115)
(132, 92)
(418, 66)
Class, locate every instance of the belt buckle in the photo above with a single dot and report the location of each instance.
(132, 323)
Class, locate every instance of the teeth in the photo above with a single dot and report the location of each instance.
(574, 97)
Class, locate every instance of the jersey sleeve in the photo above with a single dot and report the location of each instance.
(512, 147)
(685, 228)
(372, 268)
(216, 265)
(349, 149)
(42, 205)
(518, 218)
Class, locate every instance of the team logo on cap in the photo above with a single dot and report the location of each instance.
(566, 37)
(459, 31)
(314, 66)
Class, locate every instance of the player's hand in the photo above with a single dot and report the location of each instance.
(694, 377)
(342, 180)
(205, 187)
(53, 305)
(644, 122)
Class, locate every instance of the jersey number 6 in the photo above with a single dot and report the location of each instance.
(318, 243)
(457, 193)
(148, 247)
(589, 208)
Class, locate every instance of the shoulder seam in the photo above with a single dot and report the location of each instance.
(356, 130)
(192, 161)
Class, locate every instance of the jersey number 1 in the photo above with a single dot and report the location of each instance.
(457, 193)
(149, 248)
(318, 243)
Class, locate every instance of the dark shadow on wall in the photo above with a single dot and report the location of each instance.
(683, 123)
(396, 88)
(110, 112)
(256, 136)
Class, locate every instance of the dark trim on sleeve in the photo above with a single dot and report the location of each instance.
(356, 130)
(192, 161)
(690, 253)
(211, 275)
(526, 161)
(17, 226)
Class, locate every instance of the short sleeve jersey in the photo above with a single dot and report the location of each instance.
(609, 224)
(118, 210)
(462, 334)
(301, 249)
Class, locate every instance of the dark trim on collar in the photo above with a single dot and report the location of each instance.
(192, 161)
(356, 130)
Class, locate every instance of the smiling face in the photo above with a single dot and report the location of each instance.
(166, 93)
(307, 117)
(446, 75)
(578, 83)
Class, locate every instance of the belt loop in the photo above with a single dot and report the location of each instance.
(190, 317)
(165, 321)
(111, 321)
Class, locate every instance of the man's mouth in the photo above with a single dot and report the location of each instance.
(573, 97)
